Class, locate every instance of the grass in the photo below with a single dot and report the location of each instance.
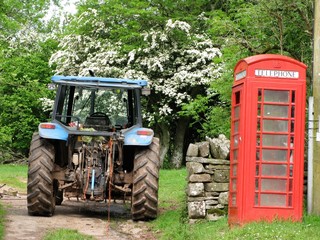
(172, 186)
(172, 222)
(2, 221)
(66, 234)
(14, 176)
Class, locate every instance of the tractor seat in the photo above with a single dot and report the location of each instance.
(99, 122)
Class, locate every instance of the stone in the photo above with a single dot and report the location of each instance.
(222, 137)
(224, 198)
(213, 217)
(221, 176)
(214, 167)
(194, 167)
(195, 189)
(208, 160)
(205, 198)
(212, 194)
(193, 150)
(224, 150)
(211, 202)
(211, 172)
(200, 178)
(220, 206)
(219, 147)
(216, 187)
(204, 149)
(196, 199)
(214, 145)
(197, 209)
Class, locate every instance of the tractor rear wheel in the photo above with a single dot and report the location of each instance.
(40, 190)
(144, 202)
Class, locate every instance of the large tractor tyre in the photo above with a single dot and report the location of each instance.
(144, 202)
(40, 190)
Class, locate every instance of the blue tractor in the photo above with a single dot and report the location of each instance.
(94, 148)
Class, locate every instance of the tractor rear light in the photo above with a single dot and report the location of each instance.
(145, 132)
(47, 126)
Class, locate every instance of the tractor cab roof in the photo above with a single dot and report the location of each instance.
(99, 82)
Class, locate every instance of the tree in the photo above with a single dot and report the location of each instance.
(177, 62)
(24, 73)
(180, 66)
(245, 28)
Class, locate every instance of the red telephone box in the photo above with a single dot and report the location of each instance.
(267, 139)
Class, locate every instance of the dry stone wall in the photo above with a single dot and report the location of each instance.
(208, 168)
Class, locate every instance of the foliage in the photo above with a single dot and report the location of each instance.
(23, 79)
(177, 60)
(24, 73)
(245, 28)
(179, 65)
(16, 13)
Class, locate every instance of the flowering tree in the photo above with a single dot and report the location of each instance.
(177, 62)
(179, 65)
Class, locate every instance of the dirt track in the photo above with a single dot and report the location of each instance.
(88, 218)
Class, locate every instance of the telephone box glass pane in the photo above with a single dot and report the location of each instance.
(236, 112)
(290, 185)
(233, 199)
(276, 96)
(273, 200)
(275, 185)
(256, 199)
(236, 140)
(274, 140)
(234, 170)
(275, 170)
(235, 155)
(275, 125)
(234, 184)
(290, 200)
(275, 111)
(236, 126)
(274, 155)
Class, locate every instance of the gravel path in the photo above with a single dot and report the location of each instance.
(88, 218)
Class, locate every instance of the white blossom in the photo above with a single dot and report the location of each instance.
(172, 65)
(47, 104)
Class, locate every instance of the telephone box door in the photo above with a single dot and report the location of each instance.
(277, 176)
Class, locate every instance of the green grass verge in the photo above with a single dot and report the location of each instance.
(2, 221)
(14, 176)
(172, 222)
(66, 234)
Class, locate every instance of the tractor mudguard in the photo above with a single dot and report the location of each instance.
(52, 131)
(138, 136)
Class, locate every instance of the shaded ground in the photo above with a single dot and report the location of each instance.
(88, 218)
